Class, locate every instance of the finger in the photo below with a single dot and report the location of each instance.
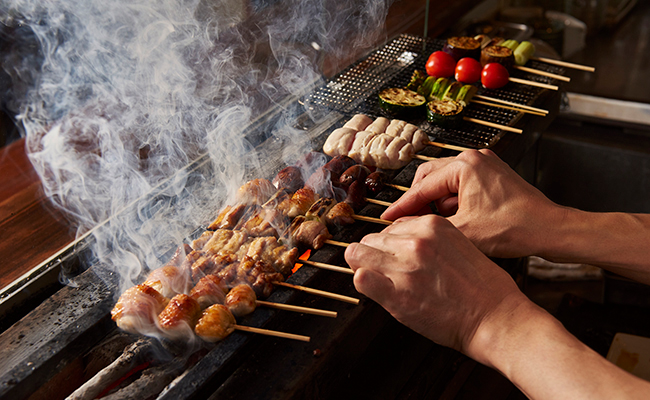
(374, 285)
(437, 184)
(427, 168)
(447, 205)
(364, 255)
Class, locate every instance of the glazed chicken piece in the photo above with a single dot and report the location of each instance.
(198, 243)
(215, 324)
(299, 203)
(228, 217)
(209, 290)
(169, 280)
(255, 192)
(264, 222)
(225, 241)
(281, 257)
(339, 215)
(319, 209)
(180, 315)
(308, 233)
(137, 309)
(241, 300)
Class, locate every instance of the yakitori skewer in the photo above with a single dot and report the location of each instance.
(564, 64)
(447, 146)
(543, 73)
(318, 292)
(378, 202)
(372, 219)
(337, 243)
(398, 187)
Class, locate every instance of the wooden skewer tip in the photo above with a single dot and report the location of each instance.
(269, 332)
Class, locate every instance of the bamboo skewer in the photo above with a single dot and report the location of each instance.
(372, 219)
(398, 187)
(269, 332)
(523, 110)
(493, 125)
(327, 266)
(543, 73)
(533, 83)
(424, 158)
(378, 202)
(305, 310)
(510, 103)
(318, 292)
(564, 64)
(335, 243)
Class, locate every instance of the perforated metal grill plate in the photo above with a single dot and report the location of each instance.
(355, 90)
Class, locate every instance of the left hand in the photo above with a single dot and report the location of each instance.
(430, 277)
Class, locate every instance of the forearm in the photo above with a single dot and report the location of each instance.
(618, 242)
(545, 361)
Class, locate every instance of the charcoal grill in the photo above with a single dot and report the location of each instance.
(53, 348)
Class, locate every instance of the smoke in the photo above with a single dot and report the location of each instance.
(123, 101)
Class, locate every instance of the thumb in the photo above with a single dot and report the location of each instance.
(374, 285)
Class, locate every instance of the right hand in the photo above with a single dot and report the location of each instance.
(495, 208)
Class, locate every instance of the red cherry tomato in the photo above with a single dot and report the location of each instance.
(494, 76)
(468, 70)
(441, 65)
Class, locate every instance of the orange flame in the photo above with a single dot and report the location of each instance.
(304, 256)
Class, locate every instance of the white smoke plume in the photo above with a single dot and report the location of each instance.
(124, 95)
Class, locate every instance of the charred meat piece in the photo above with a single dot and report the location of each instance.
(255, 192)
(310, 234)
(198, 243)
(319, 209)
(340, 215)
(241, 300)
(225, 241)
(179, 255)
(259, 275)
(228, 217)
(355, 172)
(209, 290)
(169, 280)
(278, 198)
(289, 178)
(137, 309)
(215, 324)
(339, 164)
(177, 320)
(375, 182)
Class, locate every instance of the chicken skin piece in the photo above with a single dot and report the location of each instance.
(228, 217)
(169, 280)
(310, 234)
(241, 300)
(215, 324)
(255, 192)
(137, 309)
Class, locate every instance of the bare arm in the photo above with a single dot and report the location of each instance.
(430, 277)
(504, 216)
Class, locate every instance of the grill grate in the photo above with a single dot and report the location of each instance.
(355, 90)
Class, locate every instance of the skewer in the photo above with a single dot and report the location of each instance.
(424, 158)
(493, 125)
(371, 219)
(509, 108)
(398, 187)
(335, 243)
(533, 83)
(564, 64)
(328, 266)
(447, 146)
(543, 73)
(305, 310)
(511, 103)
(323, 293)
(269, 332)
(378, 202)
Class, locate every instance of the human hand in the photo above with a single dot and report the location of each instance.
(430, 277)
(495, 208)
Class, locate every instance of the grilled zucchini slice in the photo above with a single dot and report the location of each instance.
(401, 102)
